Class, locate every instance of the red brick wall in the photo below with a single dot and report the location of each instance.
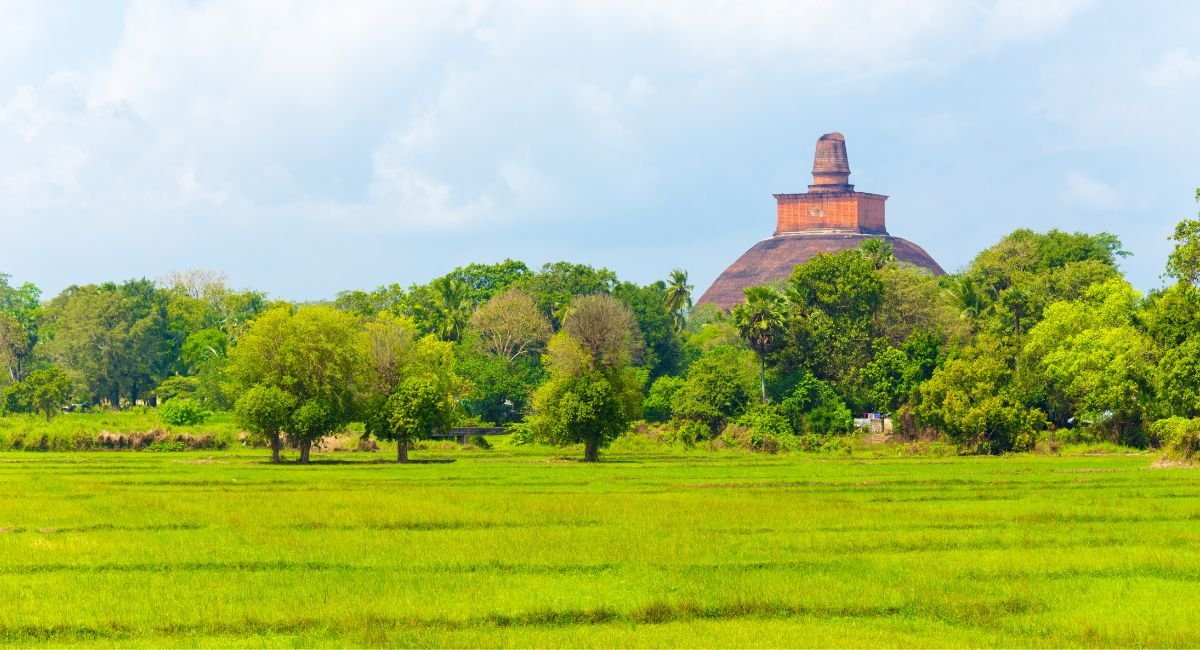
(843, 211)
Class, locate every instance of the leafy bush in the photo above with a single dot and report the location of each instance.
(815, 407)
(1179, 437)
(719, 387)
(657, 405)
(183, 411)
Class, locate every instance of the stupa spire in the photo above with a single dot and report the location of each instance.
(831, 165)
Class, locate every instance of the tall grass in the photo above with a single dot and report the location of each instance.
(82, 431)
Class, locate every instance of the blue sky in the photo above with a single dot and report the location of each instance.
(309, 147)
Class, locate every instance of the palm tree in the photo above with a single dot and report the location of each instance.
(678, 300)
(760, 321)
(452, 308)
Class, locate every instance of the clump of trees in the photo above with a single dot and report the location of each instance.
(1040, 332)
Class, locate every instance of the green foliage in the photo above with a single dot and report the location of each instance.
(678, 298)
(176, 386)
(117, 337)
(418, 408)
(557, 284)
(1178, 436)
(831, 301)
(766, 421)
(592, 394)
(266, 411)
(719, 387)
(1179, 378)
(1183, 264)
(662, 349)
(973, 400)
(1092, 357)
(657, 405)
(317, 355)
(44, 391)
(760, 321)
(814, 407)
(183, 411)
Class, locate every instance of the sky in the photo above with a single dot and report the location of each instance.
(305, 148)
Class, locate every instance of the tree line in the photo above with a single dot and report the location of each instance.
(1039, 333)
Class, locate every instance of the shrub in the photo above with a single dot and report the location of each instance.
(719, 387)
(657, 405)
(814, 407)
(183, 411)
(1179, 437)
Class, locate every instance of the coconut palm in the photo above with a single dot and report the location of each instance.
(678, 300)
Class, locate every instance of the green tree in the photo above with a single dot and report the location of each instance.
(1184, 262)
(973, 399)
(367, 304)
(830, 304)
(678, 298)
(44, 391)
(556, 285)
(316, 355)
(585, 400)
(760, 321)
(657, 405)
(593, 392)
(719, 387)
(502, 354)
(1092, 354)
(417, 408)
(408, 375)
(662, 352)
(266, 411)
(878, 251)
(117, 337)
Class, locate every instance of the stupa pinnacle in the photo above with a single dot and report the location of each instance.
(830, 217)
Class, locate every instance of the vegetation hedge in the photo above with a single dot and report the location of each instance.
(1179, 437)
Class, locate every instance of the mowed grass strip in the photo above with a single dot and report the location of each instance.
(511, 548)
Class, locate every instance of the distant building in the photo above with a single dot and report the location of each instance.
(830, 217)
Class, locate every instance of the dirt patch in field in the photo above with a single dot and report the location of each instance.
(1170, 463)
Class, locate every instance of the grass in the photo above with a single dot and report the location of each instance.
(79, 431)
(524, 548)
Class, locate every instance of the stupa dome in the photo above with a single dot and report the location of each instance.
(830, 217)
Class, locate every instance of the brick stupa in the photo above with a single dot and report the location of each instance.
(830, 217)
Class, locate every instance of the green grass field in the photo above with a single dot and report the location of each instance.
(520, 548)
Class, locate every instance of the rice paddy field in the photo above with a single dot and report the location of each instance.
(513, 547)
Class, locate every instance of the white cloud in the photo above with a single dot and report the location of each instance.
(22, 22)
(1019, 20)
(1091, 192)
(1176, 69)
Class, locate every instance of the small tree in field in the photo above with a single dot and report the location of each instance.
(417, 408)
(266, 411)
(317, 356)
(43, 391)
(593, 393)
(413, 386)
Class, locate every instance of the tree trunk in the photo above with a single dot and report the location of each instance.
(401, 451)
(276, 443)
(591, 451)
(305, 446)
(762, 376)
(114, 398)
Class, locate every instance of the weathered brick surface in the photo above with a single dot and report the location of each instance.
(852, 211)
(773, 259)
(830, 217)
